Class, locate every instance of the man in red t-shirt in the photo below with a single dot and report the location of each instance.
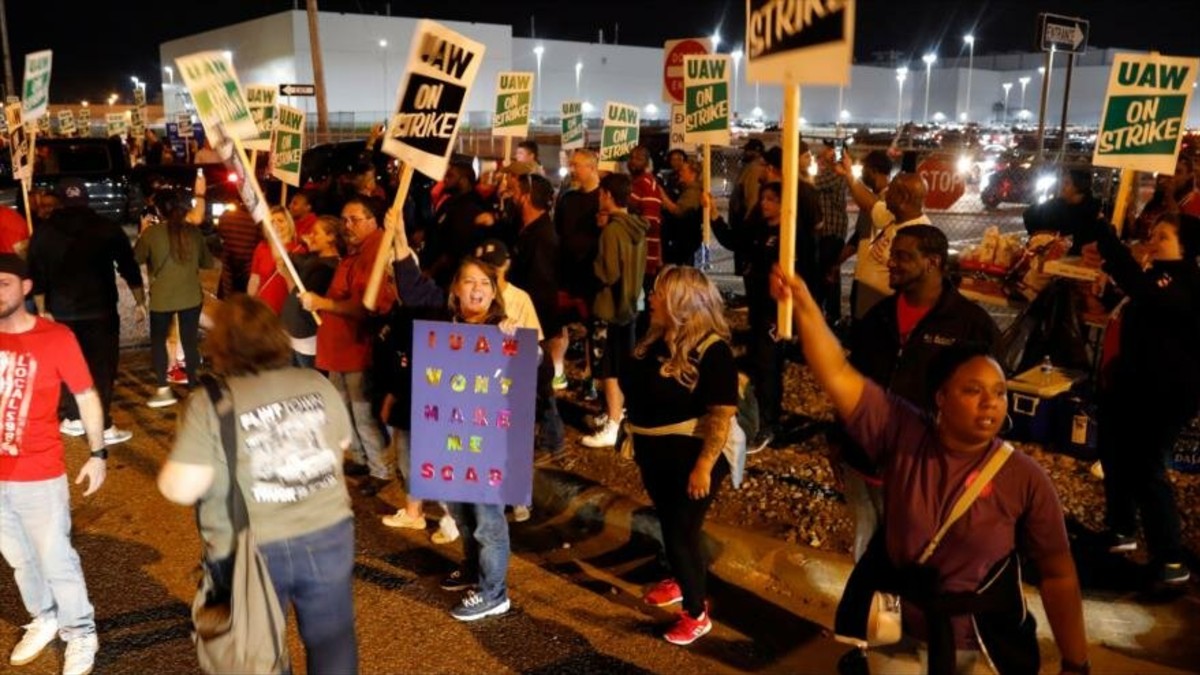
(14, 232)
(344, 343)
(301, 208)
(646, 202)
(37, 357)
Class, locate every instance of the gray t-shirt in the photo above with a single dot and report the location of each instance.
(290, 424)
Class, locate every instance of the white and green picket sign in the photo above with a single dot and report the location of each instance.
(1144, 112)
(287, 145)
(619, 135)
(66, 123)
(215, 90)
(706, 99)
(84, 123)
(261, 99)
(36, 90)
(116, 125)
(573, 135)
(514, 91)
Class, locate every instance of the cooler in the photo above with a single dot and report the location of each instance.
(1038, 403)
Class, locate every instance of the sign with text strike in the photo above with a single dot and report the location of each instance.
(287, 145)
(1144, 112)
(799, 41)
(261, 99)
(573, 130)
(35, 95)
(215, 90)
(83, 122)
(706, 99)
(514, 91)
(115, 124)
(441, 68)
(472, 413)
(619, 135)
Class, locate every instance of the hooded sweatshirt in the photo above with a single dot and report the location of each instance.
(620, 267)
(71, 261)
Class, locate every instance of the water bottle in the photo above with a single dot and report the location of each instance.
(1047, 370)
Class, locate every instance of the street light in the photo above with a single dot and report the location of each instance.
(578, 71)
(537, 52)
(228, 55)
(736, 55)
(1024, 83)
(83, 103)
(383, 62)
(970, 40)
(929, 60)
(1004, 117)
(901, 75)
(716, 40)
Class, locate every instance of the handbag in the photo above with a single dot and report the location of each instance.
(239, 629)
(884, 626)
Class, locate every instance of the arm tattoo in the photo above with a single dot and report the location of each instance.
(715, 426)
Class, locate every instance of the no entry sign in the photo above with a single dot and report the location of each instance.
(945, 184)
(673, 53)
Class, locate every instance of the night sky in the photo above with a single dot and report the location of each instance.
(98, 45)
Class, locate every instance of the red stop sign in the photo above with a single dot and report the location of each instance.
(673, 66)
(946, 185)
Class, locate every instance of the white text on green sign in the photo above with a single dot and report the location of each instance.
(706, 99)
(1145, 109)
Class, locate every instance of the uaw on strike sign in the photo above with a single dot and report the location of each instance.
(799, 41)
(1144, 112)
(441, 68)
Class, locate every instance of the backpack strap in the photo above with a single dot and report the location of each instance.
(222, 400)
(968, 497)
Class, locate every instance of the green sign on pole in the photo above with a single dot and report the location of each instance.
(261, 99)
(572, 125)
(213, 83)
(36, 90)
(287, 145)
(706, 99)
(1144, 112)
(514, 91)
(619, 135)
(84, 124)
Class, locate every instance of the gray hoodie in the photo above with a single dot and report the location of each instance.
(620, 267)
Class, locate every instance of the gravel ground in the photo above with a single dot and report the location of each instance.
(794, 493)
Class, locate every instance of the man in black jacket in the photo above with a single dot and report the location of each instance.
(1071, 213)
(535, 269)
(71, 260)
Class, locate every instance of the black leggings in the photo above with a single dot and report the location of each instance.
(665, 473)
(189, 335)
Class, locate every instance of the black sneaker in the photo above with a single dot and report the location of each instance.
(1174, 574)
(1120, 543)
(457, 581)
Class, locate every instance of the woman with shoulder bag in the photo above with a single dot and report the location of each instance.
(948, 547)
(682, 398)
(291, 430)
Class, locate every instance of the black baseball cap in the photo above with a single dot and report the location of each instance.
(11, 263)
(72, 192)
(492, 252)
(754, 145)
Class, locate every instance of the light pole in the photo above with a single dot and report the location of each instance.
(901, 75)
(970, 40)
(1004, 117)
(537, 52)
(716, 40)
(383, 62)
(578, 71)
(736, 55)
(929, 59)
(1024, 83)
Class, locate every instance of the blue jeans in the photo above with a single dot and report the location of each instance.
(485, 546)
(314, 573)
(368, 445)
(35, 539)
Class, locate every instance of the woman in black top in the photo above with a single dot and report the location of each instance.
(1151, 388)
(326, 244)
(678, 374)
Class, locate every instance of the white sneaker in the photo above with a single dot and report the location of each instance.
(402, 520)
(595, 422)
(80, 655)
(605, 437)
(114, 435)
(520, 514)
(447, 531)
(38, 634)
(72, 428)
(163, 397)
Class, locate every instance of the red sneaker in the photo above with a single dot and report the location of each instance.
(687, 630)
(665, 592)
(177, 374)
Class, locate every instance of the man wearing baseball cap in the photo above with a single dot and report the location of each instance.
(37, 357)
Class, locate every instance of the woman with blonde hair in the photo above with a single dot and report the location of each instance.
(681, 400)
(267, 273)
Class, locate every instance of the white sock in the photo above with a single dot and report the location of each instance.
(559, 369)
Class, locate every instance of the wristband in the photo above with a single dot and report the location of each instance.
(102, 453)
(1084, 668)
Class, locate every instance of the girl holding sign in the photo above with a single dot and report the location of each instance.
(474, 298)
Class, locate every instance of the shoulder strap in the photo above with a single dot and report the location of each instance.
(707, 342)
(222, 401)
(968, 497)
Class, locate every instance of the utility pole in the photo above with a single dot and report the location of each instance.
(314, 41)
(8, 78)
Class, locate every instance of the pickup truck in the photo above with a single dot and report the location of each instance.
(115, 189)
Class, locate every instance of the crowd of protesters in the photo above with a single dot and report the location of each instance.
(608, 261)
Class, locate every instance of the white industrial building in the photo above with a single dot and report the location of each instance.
(365, 56)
